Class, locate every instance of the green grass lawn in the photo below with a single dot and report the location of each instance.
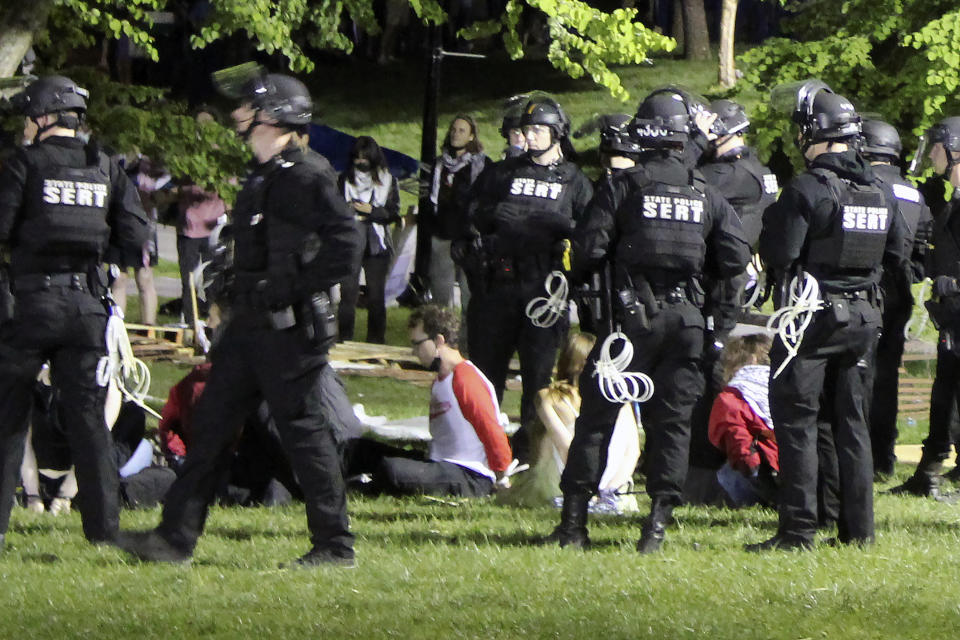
(431, 569)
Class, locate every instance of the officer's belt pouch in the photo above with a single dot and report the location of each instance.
(319, 320)
(632, 312)
(838, 308)
(644, 293)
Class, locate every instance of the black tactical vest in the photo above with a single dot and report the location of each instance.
(65, 208)
(662, 227)
(536, 209)
(266, 246)
(858, 228)
(751, 212)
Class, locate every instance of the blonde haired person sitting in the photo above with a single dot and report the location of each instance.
(558, 406)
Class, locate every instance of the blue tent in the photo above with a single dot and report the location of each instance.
(335, 145)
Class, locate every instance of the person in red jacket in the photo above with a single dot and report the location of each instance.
(741, 427)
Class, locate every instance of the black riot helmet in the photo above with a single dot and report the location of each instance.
(544, 110)
(512, 112)
(280, 97)
(615, 138)
(53, 95)
(731, 118)
(945, 132)
(823, 116)
(662, 120)
(880, 140)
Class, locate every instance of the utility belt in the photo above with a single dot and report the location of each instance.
(533, 267)
(837, 304)
(27, 283)
(643, 300)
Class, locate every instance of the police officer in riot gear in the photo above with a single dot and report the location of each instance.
(523, 208)
(881, 147)
(835, 225)
(63, 202)
(294, 238)
(662, 227)
(940, 146)
(510, 128)
(731, 166)
(618, 149)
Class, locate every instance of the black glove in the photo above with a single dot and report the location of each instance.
(945, 286)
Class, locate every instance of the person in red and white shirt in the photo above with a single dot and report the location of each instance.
(469, 452)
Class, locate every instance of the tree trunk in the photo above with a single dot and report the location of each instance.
(676, 28)
(18, 23)
(697, 38)
(728, 26)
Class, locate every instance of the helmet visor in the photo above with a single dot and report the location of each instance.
(240, 81)
(796, 97)
(921, 162)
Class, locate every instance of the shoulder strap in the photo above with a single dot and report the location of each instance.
(698, 182)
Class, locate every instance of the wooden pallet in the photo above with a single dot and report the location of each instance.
(160, 343)
(173, 335)
(913, 395)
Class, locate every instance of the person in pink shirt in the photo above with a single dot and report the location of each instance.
(469, 452)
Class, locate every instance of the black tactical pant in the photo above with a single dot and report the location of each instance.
(886, 383)
(253, 362)
(669, 352)
(944, 402)
(498, 326)
(840, 353)
(66, 326)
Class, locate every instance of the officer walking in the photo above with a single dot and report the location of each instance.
(881, 146)
(833, 224)
(940, 146)
(662, 227)
(295, 238)
(523, 208)
(63, 202)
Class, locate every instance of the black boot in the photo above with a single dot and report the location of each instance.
(953, 475)
(925, 481)
(417, 292)
(654, 527)
(572, 530)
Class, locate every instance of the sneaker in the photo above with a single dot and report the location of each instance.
(321, 558)
(59, 506)
(150, 546)
(35, 504)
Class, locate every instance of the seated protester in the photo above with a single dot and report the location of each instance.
(741, 427)
(558, 406)
(47, 471)
(469, 452)
(259, 471)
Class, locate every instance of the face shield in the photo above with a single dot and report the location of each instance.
(241, 82)
(796, 98)
(12, 97)
(921, 162)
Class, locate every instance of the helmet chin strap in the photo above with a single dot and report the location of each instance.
(67, 121)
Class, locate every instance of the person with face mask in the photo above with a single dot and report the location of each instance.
(835, 229)
(371, 190)
(940, 148)
(522, 210)
(469, 454)
(294, 239)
